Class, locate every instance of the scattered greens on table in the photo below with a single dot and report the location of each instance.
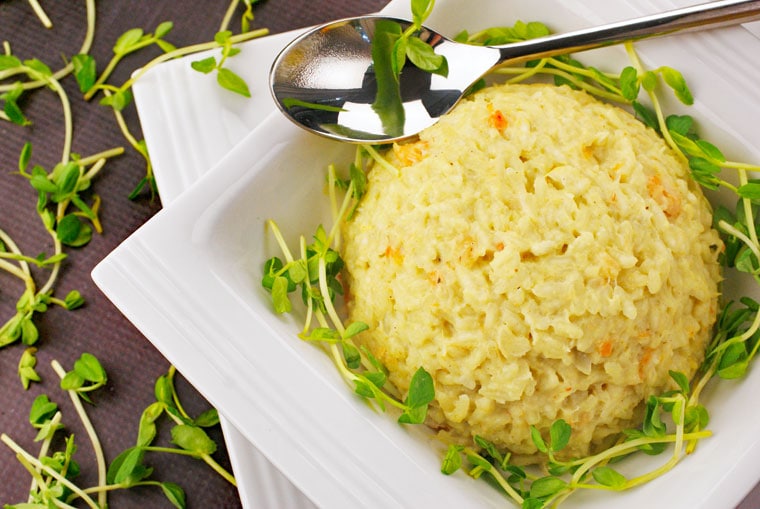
(675, 421)
(54, 472)
(68, 209)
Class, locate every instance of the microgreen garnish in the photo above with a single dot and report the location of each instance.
(69, 211)
(534, 489)
(129, 42)
(226, 78)
(316, 274)
(26, 372)
(54, 474)
(41, 14)
(187, 433)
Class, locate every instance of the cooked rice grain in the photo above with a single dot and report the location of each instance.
(543, 255)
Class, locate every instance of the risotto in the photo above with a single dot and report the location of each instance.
(542, 255)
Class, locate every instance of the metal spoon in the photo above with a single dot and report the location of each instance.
(331, 66)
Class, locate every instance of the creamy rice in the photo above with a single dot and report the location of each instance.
(543, 255)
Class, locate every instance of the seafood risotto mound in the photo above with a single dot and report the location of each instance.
(542, 255)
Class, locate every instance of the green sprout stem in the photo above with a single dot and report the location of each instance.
(64, 71)
(91, 433)
(228, 15)
(211, 462)
(44, 448)
(187, 50)
(40, 12)
(41, 467)
(175, 397)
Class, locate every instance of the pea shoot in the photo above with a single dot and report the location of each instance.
(54, 474)
(68, 210)
(316, 274)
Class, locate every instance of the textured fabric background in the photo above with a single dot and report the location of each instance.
(130, 360)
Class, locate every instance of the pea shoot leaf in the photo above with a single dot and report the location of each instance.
(89, 368)
(26, 365)
(192, 438)
(559, 433)
(147, 429)
(546, 487)
(42, 410)
(127, 468)
(452, 461)
(207, 419)
(421, 393)
(232, 82)
(85, 71)
(422, 55)
(607, 476)
(676, 81)
(175, 494)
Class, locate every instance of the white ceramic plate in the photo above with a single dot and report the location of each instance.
(207, 248)
(188, 127)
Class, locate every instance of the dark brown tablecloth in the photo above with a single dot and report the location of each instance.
(130, 360)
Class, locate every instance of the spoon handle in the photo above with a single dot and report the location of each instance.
(711, 14)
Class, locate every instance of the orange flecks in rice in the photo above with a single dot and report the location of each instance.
(605, 348)
(497, 120)
(394, 253)
(410, 153)
(665, 196)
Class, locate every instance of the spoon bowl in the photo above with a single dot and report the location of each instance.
(325, 80)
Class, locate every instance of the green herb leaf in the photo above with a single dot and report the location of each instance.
(163, 29)
(26, 371)
(646, 115)
(89, 368)
(9, 62)
(127, 468)
(280, 298)
(29, 332)
(607, 476)
(207, 419)
(42, 410)
(676, 81)
(232, 82)
(629, 83)
(192, 438)
(72, 381)
(164, 390)
(421, 389)
(74, 299)
(421, 393)
(85, 71)
(174, 493)
(205, 65)
(547, 487)
(453, 459)
(423, 56)
(421, 9)
(559, 433)
(354, 328)
(73, 232)
(127, 40)
(538, 440)
(681, 380)
(147, 430)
